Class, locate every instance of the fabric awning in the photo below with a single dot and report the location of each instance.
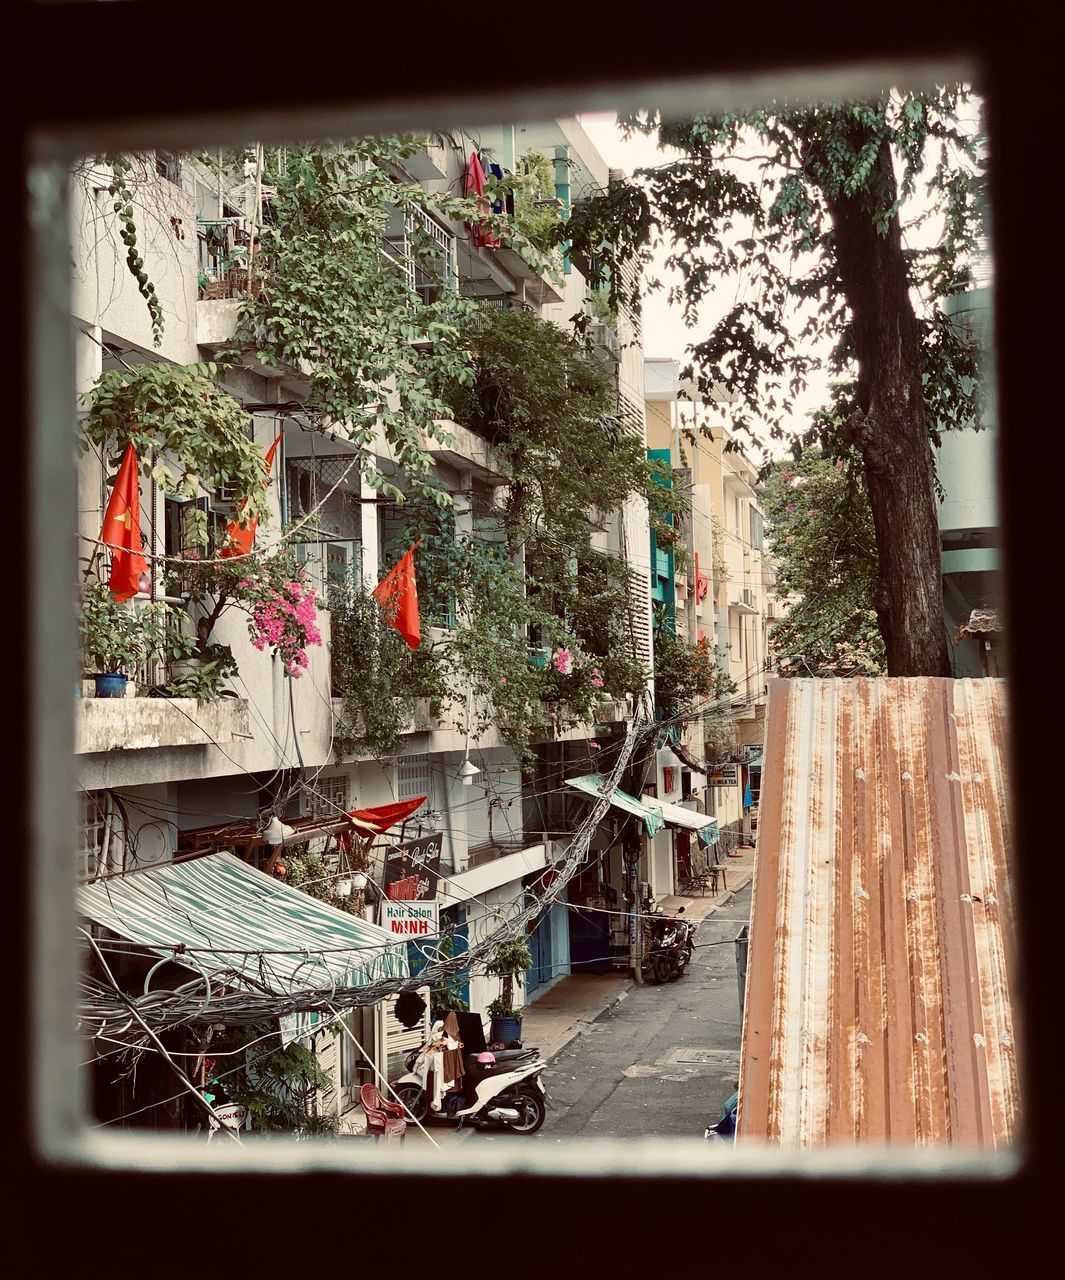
(687, 819)
(592, 784)
(221, 917)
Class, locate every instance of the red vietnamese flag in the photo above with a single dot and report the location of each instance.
(242, 538)
(397, 594)
(122, 530)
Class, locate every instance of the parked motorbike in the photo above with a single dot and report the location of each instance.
(672, 946)
(501, 1089)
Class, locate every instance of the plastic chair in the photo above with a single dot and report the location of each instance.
(383, 1119)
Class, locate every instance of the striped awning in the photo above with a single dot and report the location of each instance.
(686, 819)
(222, 918)
(594, 784)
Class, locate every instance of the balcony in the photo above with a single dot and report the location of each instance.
(604, 342)
(466, 451)
(147, 724)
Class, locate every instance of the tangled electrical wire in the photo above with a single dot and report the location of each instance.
(235, 997)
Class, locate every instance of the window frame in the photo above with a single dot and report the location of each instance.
(862, 1190)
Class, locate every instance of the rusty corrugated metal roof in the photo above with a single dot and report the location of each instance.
(878, 989)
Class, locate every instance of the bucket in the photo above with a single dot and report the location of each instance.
(505, 1030)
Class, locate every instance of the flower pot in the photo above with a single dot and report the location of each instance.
(505, 1031)
(110, 684)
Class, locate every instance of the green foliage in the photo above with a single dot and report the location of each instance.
(119, 190)
(186, 430)
(337, 298)
(511, 960)
(377, 674)
(685, 674)
(820, 532)
(279, 1086)
(112, 637)
(444, 997)
(750, 198)
(536, 181)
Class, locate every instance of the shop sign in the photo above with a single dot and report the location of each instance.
(726, 775)
(412, 871)
(230, 1114)
(411, 919)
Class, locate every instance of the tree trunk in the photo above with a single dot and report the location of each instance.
(889, 429)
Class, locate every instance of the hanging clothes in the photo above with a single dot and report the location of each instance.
(435, 1065)
(454, 1069)
(496, 171)
(474, 186)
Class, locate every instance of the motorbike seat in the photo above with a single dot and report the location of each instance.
(512, 1055)
(476, 1071)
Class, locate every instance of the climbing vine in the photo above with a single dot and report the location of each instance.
(118, 188)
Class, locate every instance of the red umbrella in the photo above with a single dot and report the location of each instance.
(475, 186)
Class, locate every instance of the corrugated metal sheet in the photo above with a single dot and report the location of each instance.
(878, 1002)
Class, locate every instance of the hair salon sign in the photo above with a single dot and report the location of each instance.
(410, 919)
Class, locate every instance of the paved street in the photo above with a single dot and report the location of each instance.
(663, 1059)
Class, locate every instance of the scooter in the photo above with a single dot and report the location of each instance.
(672, 946)
(501, 1089)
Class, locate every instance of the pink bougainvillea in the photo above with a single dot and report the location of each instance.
(286, 619)
(564, 662)
(596, 678)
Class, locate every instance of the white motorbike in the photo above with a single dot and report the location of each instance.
(503, 1090)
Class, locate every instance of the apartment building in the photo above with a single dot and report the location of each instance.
(163, 780)
(715, 588)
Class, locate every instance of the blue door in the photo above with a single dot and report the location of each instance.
(540, 947)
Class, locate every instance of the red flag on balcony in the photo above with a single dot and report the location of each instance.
(475, 181)
(397, 594)
(242, 538)
(122, 530)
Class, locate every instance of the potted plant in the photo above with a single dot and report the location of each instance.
(510, 961)
(112, 640)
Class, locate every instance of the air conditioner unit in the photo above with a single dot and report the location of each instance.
(680, 581)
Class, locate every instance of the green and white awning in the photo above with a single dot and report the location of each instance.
(239, 927)
(675, 815)
(594, 784)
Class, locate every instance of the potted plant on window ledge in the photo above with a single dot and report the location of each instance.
(112, 640)
(510, 961)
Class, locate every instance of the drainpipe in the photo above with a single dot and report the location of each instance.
(562, 193)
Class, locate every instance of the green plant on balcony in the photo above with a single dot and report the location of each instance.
(188, 433)
(376, 675)
(686, 675)
(112, 636)
(337, 306)
(534, 189)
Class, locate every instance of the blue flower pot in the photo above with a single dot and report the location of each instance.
(505, 1031)
(110, 684)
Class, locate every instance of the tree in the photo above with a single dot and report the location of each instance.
(818, 190)
(820, 532)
